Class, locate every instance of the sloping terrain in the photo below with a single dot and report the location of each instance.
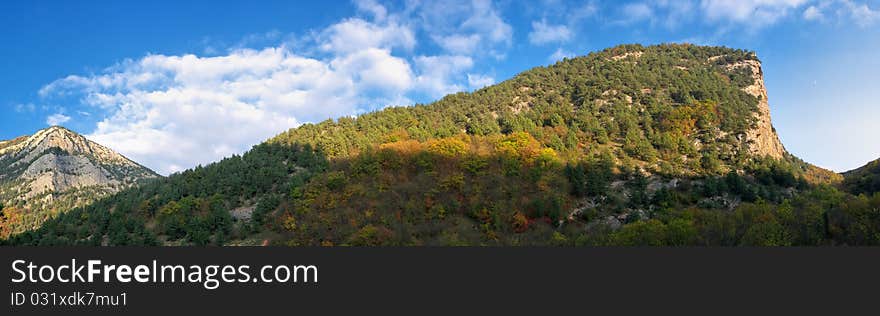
(633, 145)
(864, 180)
(55, 170)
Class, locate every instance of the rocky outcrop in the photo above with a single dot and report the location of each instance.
(59, 173)
(762, 137)
(69, 159)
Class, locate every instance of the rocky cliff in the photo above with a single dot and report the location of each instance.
(56, 169)
(762, 138)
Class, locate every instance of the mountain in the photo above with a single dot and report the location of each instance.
(55, 170)
(632, 145)
(864, 180)
(694, 94)
(670, 109)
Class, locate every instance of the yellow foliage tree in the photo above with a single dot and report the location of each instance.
(521, 145)
(408, 147)
(546, 158)
(449, 147)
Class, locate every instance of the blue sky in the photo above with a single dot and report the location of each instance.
(175, 84)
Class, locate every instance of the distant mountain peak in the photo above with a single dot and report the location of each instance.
(56, 169)
(64, 139)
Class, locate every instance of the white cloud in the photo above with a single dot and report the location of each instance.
(486, 19)
(438, 73)
(458, 43)
(477, 81)
(355, 34)
(813, 13)
(462, 26)
(543, 33)
(559, 54)
(844, 11)
(171, 112)
(753, 13)
(167, 111)
(57, 119)
(371, 6)
(375, 68)
(861, 14)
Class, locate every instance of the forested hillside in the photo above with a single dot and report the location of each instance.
(864, 180)
(663, 107)
(633, 145)
(192, 207)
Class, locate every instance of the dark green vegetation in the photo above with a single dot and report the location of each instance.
(864, 180)
(191, 207)
(630, 146)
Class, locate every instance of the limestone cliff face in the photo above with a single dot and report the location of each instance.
(39, 169)
(762, 138)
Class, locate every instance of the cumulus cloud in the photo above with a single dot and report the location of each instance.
(813, 13)
(471, 27)
(172, 112)
(378, 11)
(355, 34)
(459, 43)
(543, 33)
(560, 54)
(57, 119)
(438, 73)
(861, 13)
(477, 81)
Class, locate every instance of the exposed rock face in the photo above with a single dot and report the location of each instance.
(762, 138)
(56, 160)
(56, 169)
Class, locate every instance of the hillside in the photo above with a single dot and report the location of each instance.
(864, 180)
(676, 103)
(55, 170)
(678, 110)
(633, 145)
